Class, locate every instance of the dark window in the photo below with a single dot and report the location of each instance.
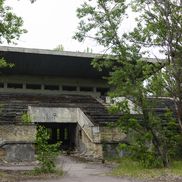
(33, 86)
(103, 91)
(58, 134)
(80, 134)
(1, 85)
(86, 89)
(66, 134)
(15, 85)
(51, 87)
(69, 88)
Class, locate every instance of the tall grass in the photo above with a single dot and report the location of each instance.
(129, 168)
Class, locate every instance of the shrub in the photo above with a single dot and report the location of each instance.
(25, 118)
(46, 153)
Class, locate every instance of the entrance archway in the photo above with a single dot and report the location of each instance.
(64, 132)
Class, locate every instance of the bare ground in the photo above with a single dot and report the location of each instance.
(76, 171)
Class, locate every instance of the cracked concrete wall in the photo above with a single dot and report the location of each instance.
(15, 132)
(17, 142)
(111, 135)
(19, 152)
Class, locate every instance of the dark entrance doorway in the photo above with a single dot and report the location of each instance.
(64, 132)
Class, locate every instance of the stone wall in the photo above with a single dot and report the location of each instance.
(17, 142)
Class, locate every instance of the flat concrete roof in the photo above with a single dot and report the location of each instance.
(50, 63)
(44, 62)
(49, 52)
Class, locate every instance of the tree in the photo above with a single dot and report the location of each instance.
(10, 24)
(10, 28)
(158, 25)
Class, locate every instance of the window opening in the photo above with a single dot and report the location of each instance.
(69, 88)
(50, 132)
(66, 133)
(33, 86)
(15, 85)
(1, 85)
(103, 91)
(58, 134)
(51, 87)
(86, 89)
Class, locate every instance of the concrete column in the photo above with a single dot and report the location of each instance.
(42, 86)
(5, 85)
(60, 88)
(24, 86)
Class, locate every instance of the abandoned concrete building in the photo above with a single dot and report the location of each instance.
(61, 91)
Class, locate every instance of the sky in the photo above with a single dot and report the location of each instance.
(50, 23)
(53, 22)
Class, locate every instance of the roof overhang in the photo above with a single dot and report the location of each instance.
(49, 63)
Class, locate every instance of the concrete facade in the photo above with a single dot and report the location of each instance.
(91, 85)
(50, 73)
(90, 139)
(17, 142)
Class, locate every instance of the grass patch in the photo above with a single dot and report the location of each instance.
(177, 168)
(2, 174)
(16, 176)
(129, 168)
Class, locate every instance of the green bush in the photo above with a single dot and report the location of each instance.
(25, 118)
(46, 153)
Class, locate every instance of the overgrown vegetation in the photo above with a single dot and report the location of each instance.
(25, 118)
(142, 81)
(134, 169)
(46, 153)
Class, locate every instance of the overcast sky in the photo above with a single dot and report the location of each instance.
(53, 22)
(50, 23)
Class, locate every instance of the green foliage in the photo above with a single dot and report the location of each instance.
(59, 48)
(131, 168)
(25, 118)
(10, 29)
(4, 64)
(153, 140)
(46, 153)
(11, 25)
(158, 26)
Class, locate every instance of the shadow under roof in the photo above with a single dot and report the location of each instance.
(50, 63)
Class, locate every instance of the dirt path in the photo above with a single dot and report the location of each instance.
(77, 171)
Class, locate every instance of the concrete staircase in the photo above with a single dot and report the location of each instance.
(12, 106)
